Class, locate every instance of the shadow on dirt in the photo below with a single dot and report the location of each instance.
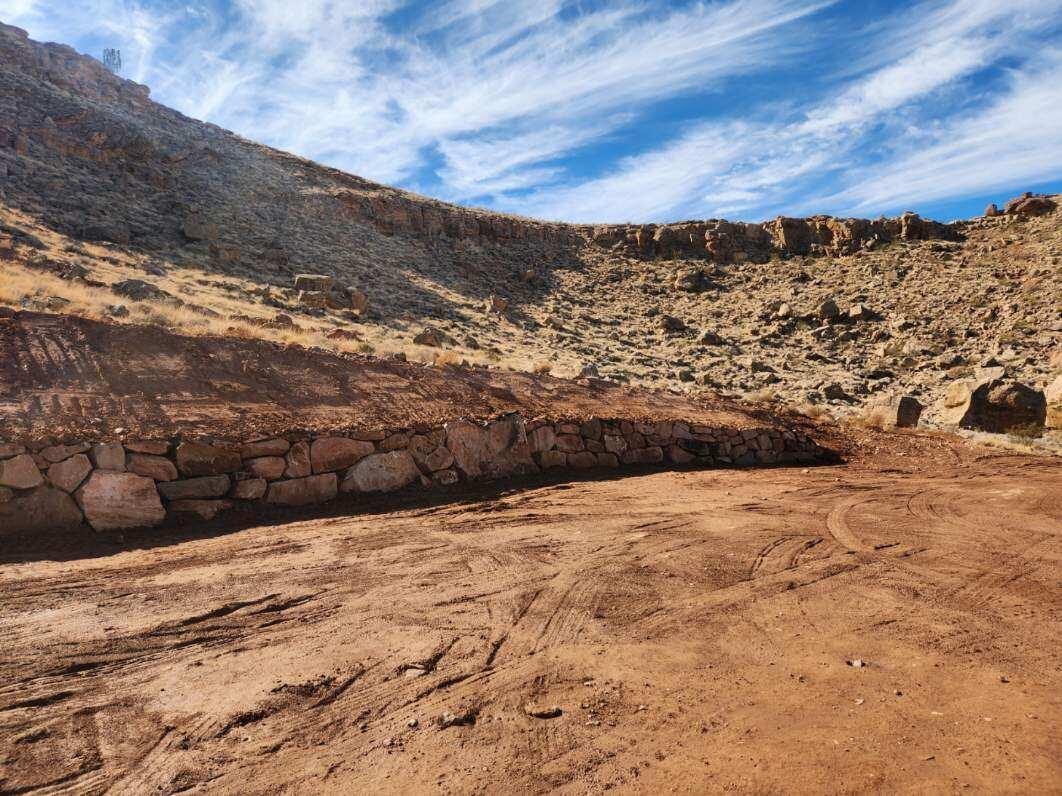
(85, 543)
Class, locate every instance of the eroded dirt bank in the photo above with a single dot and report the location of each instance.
(695, 630)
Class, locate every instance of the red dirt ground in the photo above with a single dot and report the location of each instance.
(64, 376)
(695, 630)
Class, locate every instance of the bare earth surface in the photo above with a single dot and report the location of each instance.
(695, 630)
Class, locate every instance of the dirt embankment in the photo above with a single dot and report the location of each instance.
(64, 376)
(890, 626)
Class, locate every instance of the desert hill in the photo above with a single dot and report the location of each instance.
(114, 206)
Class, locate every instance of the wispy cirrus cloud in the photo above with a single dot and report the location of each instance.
(629, 109)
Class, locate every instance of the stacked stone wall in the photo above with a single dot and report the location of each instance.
(139, 483)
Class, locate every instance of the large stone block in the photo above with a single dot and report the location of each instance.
(266, 447)
(381, 472)
(994, 404)
(56, 453)
(335, 453)
(108, 456)
(196, 459)
(113, 501)
(199, 509)
(304, 491)
(500, 450)
(44, 509)
(158, 468)
(209, 486)
(1053, 394)
(271, 468)
(298, 461)
(68, 474)
(249, 489)
(20, 472)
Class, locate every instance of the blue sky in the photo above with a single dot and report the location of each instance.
(625, 110)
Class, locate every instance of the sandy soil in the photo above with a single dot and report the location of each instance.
(695, 630)
(64, 376)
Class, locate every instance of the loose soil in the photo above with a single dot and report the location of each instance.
(65, 376)
(890, 625)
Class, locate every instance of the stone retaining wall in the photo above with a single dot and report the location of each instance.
(138, 483)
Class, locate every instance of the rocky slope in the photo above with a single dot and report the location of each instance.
(100, 186)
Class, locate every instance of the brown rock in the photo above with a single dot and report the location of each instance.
(314, 282)
(582, 460)
(335, 453)
(267, 447)
(298, 460)
(542, 438)
(304, 491)
(196, 459)
(500, 450)
(1029, 205)
(56, 453)
(113, 501)
(607, 460)
(68, 474)
(551, 459)
(569, 443)
(200, 509)
(678, 455)
(6, 494)
(152, 447)
(271, 468)
(439, 459)
(394, 442)
(209, 486)
(43, 509)
(381, 472)
(615, 443)
(20, 472)
(650, 455)
(249, 489)
(446, 477)
(9, 449)
(158, 468)
(996, 405)
(1053, 395)
(108, 456)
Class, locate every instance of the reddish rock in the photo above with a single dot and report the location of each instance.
(112, 501)
(298, 461)
(108, 456)
(158, 468)
(267, 447)
(615, 444)
(335, 453)
(542, 438)
(249, 489)
(394, 442)
(208, 486)
(304, 491)
(68, 474)
(500, 450)
(446, 477)
(20, 472)
(582, 460)
(651, 455)
(550, 459)
(381, 472)
(43, 509)
(271, 468)
(151, 447)
(677, 455)
(56, 453)
(607, 460)
(196, 459)
(439, 459)
(9, 449)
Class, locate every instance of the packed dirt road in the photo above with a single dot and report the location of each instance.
(888, 625)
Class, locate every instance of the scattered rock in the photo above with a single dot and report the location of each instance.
(433, 338)
(540, 712)
(828, 310)
(669, 324)
(463, 717)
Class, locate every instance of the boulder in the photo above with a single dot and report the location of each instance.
(139, 290)
(991, 211)
(582, 460)
(197, 227)
(267, 447)
(298, 461)
(328, 454)
(197, 459)
(549, 459)
(304, 491)
(902, 411)
(542, 438)
(313, 282)
(1029, 205)
(158, 468)
(669, 324)
(995, 404)
(314, 299)
(828, 310)
(691, 280)
(500, 450)
(439, 459)
(152, 447)
(20, 472)
(381, 472)
(56, 453)
(108, 456)
(271, 468)
(1053, 395)
(9, 449)
(113, 501)
(68, 474)
(208, 486)
(249, 489)
(44, 509)
(432, 337)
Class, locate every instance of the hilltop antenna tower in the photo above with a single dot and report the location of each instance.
(112, 59)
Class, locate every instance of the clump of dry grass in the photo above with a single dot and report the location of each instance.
(814, 411)
(764, 395)
(542, 368)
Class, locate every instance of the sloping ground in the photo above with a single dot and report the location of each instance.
(64, 377)
(890, 626)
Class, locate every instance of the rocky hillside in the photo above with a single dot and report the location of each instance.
(112, 205)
